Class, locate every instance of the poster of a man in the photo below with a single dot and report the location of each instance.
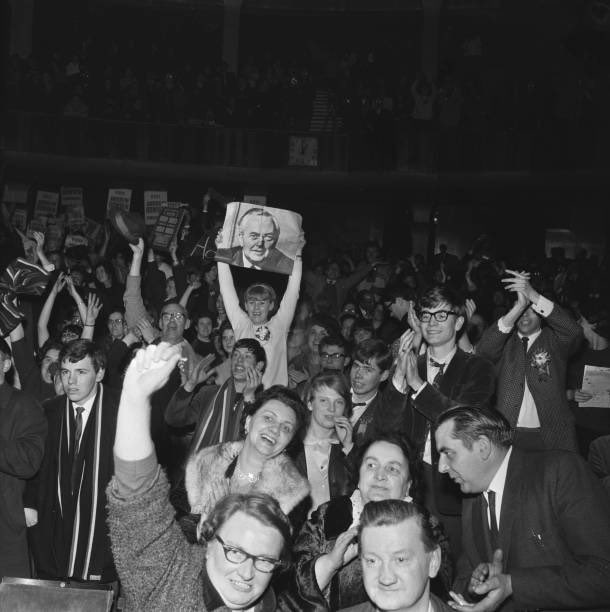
(252, 235)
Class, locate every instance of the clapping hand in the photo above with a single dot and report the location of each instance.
(254, 378)
(519, 283)
(344, 430)
(345, 549)
(197, 374)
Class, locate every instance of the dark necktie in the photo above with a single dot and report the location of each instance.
(439, 375)
(525, 341)
(78, 432)
(493, 523)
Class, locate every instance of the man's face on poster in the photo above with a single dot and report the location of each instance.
(257, 236)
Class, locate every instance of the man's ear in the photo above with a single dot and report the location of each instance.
(187, 323)
(459, 323)
(260, 366)
(99, 375)
(6, 364)
(435, 562)
(384, 375)
(348, 360)
(484, 447)
(240, 238)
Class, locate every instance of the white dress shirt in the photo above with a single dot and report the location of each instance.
(528, 414)
(497, 486)
(87, 407)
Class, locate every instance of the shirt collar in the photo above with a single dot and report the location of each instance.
(89, 403)
(499, 480)
(532, 337)
(446, 359)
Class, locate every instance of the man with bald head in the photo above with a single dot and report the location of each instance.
(258, 232)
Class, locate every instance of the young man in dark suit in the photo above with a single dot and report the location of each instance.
(531, 358)
(443, 376)
(536, 524)
(375, 409)
(71, 538)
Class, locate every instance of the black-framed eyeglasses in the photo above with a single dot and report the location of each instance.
(116, 321)
(168, 316)
(440, 316)
(331, 356)
(237, 555)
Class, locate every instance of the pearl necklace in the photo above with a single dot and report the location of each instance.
(250, 477)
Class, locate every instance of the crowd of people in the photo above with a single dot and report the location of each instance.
(388, 433)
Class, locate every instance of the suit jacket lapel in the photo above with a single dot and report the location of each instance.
(510, 502)
(453, 372)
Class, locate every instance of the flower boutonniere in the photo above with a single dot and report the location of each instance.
(540, 361)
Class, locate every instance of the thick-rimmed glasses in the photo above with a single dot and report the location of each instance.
(440, 316)
(237, 556)
(168, 316)
(331, 356)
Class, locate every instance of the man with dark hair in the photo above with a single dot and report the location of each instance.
(216, 411)
(334, 351)
(536, 524)
(374, 410)
(400, 553)
(71, 538)
(442, 377)
(258, 233)
(23, 430)
(204, 325)
(531, 359)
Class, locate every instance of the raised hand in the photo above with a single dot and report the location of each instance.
(345, 549)
(519, 282)
(471, 308)
(415, 325)
(254, 378)
(199, 373)
(147, 330)
(39, 238)
(345, 431)
(138, 249)
(150, 369)
(94, 305)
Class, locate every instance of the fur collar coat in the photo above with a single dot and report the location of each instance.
(206, 468)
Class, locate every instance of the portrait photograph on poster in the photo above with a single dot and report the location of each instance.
(259, 237)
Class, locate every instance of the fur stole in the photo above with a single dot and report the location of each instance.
(279, 478)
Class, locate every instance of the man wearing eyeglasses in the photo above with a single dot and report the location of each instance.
(442, 377)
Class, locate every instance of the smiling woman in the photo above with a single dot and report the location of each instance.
(258, 463)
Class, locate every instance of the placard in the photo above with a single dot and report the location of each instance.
(153, 202)
(167, 227)
(38, 224)
(20, 218)
(596, 381)
(46, 204)
(91, 229)
(260, 237)
(15, 193)
(119, 198)
(72, 203)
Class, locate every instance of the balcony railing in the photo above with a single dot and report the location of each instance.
(404, 148)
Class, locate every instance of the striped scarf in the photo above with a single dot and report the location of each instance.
(83, 513)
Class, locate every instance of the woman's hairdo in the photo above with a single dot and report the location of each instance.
(415, 470)
(284, 395)
(260, 506)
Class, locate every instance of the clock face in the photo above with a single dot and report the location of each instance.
(303, 151)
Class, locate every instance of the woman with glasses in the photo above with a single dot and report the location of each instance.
(323, 454)
(242, 540)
